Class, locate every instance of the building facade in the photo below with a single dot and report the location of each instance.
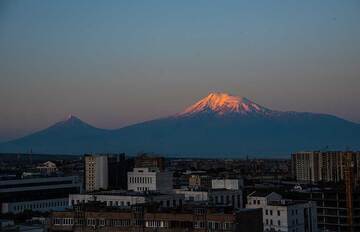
(96, 172)
(150, 179)
(149, 218)
(125, 199)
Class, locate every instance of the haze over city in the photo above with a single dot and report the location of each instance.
(121, 62)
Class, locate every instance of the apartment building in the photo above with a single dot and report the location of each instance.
(327, 166)
(282, 214)
(96, 172)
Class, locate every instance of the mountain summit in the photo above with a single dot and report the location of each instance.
(218, 125)
(224, 103)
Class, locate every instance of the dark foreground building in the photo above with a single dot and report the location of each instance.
(97, 217)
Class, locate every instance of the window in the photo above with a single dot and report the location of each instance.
(267, 222)
(270, 212)
(254, 201)
(266, 212)
(279, 222)
(278, 212)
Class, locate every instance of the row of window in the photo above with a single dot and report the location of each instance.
(267, 212)
(229, 200)
(108, 203)
(40, 205)
(127, 222)
(140, 180)
(270, 222)
(92, 222)
(142, 189)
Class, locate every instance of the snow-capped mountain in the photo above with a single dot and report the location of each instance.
(224, 103)
(218, 125)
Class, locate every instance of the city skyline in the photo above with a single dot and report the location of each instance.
(120, 63)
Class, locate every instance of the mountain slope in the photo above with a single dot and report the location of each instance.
(70, 136)
(217, 125)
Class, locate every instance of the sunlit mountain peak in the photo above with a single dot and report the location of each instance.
(223, 103)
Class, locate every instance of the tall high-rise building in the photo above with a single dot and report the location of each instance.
(107, 171)
(118, 166)
(328, 166)
(96, 172)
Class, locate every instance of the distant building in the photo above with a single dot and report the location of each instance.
(328, 166)
(234, 184)
(199, 181)
(96, 172)
(37, 194)
(150, 179)
(48, 168)
(147, 161)
(284, 215)
(193, 195)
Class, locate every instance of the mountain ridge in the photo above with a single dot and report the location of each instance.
(218, 124)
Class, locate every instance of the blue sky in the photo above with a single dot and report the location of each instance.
(114, 63)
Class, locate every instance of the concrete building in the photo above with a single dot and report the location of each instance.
(328, 166)
(150, 179)
(234, 184)
(123, 199)
(284, 215)
(96, 172)
(37, 194)
(336, 210)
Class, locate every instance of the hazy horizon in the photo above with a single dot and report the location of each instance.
(116, 63)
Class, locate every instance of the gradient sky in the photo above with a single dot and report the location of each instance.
(114, 63)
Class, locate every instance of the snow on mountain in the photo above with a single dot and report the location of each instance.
(224, 103)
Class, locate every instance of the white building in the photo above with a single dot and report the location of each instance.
(47, 168)
(284, 215)
(96, 172)
(127, 198)
(234, 184)
(150, 179)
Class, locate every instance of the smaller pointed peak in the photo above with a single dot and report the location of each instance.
(71, 117)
